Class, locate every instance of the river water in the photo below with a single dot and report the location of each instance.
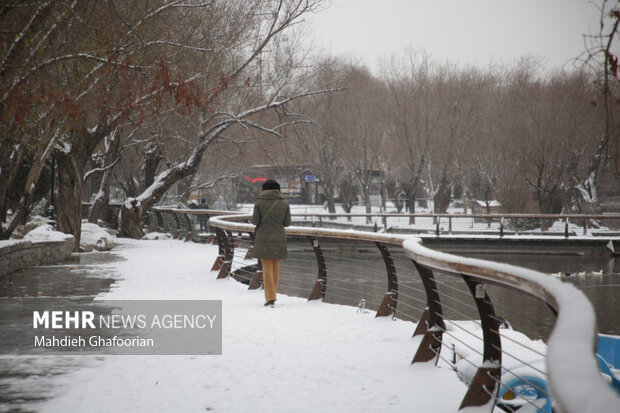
(357, 272)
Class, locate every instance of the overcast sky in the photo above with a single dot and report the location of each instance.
(461, 31)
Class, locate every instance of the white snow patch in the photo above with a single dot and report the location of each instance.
(46, 232)
(157, 236)
(95, 237)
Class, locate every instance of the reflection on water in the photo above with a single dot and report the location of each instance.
(597, 276)
(26, 380)
(357, 272)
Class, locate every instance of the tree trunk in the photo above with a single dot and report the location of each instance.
(131, 211)
(102, 200)
(152, 160)
(465, 200)
(130, 219)
(442, 198)
(329, 195)
(411, 204)
(367, 204)
(70, 196)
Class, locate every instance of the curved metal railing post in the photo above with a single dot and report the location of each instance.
(160, 221)
(430, 346)
(257, 280)
(485, 384)
(388, 305)
(229, 253)
(220, 236)
(177, 221)
(190, 228)
(250, 252)
(422, 324)
(320, 286)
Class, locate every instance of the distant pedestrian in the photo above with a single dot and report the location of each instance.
(271, 214)
(220, 204)
(203, 219)
(402, 199)
(193, 205)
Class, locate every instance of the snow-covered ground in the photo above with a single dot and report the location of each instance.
(299, 356)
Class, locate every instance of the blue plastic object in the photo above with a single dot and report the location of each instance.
(530, 388)
(608, 356)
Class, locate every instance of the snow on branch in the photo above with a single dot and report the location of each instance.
(21, 35)
(103, 169)
(206, 184)
(183, 46)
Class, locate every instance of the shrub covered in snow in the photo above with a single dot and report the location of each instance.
(95, 237)
(36, 221)
(45, 232)
(157, 235)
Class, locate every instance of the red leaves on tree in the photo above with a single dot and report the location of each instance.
(224, 81)
(613, 63)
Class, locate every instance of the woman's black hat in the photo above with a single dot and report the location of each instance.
(271, 184)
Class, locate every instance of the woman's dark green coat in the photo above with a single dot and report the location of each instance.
(270, 239)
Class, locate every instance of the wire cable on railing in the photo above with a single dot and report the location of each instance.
(298, 266)
(375, 279)
(519, 343)
(461, 327)
(358, 283)
(331, 285)
(446, 332)
(294, 287)
(478, 352)
(302, 282)
(515, 312)
(449, 362)
(467, 317)
(400, 293)
(475, 366)
(472, 307)
(330, 294)
(409, 282)
(466, 293)
(243, 267)
(525, 363)
(400, 303)
(333, 263)
(401, 285)
(296, 258)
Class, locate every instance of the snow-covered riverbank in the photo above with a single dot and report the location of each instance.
(298, 356)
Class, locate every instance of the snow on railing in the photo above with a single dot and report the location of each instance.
(501, 365)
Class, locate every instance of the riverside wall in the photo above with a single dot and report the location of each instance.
(18, 254)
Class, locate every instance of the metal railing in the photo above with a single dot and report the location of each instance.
(499, 224)
(463, 307)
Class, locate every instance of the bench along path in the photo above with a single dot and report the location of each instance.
(299, 356)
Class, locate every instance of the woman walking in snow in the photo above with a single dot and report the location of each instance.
(271, 214)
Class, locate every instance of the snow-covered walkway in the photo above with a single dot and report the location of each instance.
(297, 357)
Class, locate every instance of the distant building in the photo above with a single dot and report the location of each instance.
(298, 184)
(487, 207)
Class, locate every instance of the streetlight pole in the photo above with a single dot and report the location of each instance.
(51, 212)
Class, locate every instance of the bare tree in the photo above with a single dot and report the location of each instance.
(414, 117)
